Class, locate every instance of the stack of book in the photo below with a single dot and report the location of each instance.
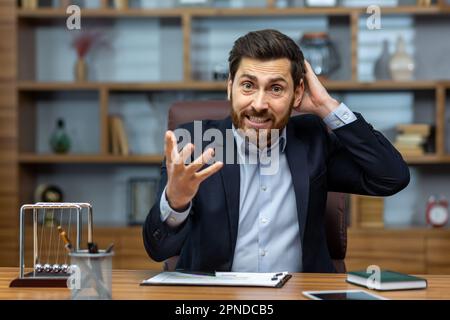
(371, 212)
(117, 136)
(411, 139)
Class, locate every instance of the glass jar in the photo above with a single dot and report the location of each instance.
(320, 52)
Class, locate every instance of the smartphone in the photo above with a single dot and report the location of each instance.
(342, 295)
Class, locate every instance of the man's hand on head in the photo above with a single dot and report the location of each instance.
(316, 99)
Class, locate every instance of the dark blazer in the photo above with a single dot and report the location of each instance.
(354, 158)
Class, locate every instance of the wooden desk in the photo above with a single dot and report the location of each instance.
(126, 286)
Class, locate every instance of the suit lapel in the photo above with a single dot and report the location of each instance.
(230, 174)
(296, 151)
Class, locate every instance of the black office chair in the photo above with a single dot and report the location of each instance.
(335, 215)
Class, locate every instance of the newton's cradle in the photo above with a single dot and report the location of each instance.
(50, 264)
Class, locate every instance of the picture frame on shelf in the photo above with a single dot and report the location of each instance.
(141, 197)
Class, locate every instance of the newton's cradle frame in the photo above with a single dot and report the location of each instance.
(46, 217)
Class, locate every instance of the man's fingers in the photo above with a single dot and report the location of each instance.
(203, 159)
(186, 152)
(308, 67)
(310, 75)
(170, 149)
(168, 146)
(209, 171)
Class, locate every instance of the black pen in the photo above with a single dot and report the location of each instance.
(110, 247)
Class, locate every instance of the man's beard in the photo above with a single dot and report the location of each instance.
(238, 122)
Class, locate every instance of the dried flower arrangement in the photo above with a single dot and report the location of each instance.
(83, 43)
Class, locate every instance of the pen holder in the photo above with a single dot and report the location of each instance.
(90, 275)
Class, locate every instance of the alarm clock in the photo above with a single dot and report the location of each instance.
(437, 211)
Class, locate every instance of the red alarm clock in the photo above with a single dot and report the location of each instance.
(437, 211)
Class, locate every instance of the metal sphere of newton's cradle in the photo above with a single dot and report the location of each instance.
(39, 268)
(48, 270)
(56, 268)
(64, 268)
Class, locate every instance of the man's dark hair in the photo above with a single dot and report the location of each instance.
(267, 45)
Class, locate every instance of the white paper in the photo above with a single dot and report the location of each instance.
(220, 279)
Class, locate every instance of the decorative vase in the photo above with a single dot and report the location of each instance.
(29, 4)
(81, 70)
(381, 67)
(60, 140)
(401, 64)
(121, 4)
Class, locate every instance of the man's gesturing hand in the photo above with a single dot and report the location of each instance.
(183, 180)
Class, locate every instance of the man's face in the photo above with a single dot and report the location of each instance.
(263, 94)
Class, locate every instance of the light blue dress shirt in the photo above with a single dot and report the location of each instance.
(268, 237)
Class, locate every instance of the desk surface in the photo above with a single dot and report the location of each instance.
(126, 286)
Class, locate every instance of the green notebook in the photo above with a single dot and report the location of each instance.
(389, 280)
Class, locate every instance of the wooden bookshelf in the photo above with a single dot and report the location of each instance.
(428, 159)
(422, 251)
(337, 85)
(223, 12)
(31, 158)
(89, 159)
(408, 249)
(57, 86)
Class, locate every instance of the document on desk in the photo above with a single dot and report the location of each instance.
(238, 279)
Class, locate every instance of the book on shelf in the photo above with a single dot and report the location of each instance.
(416, 128)
(117, 136)
(386, 280)
(113, 138)
(410, 139)
(413, 139)
(411, 151)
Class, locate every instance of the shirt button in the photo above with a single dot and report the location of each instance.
(345, 116)
(263, 188)
(263, 252)
(264, 220)
(172, 219)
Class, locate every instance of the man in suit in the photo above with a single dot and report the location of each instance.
(230, 215)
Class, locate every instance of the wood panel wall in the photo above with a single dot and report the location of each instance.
(8, 136)
(416, 251)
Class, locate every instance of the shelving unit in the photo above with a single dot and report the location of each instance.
(25, 164)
